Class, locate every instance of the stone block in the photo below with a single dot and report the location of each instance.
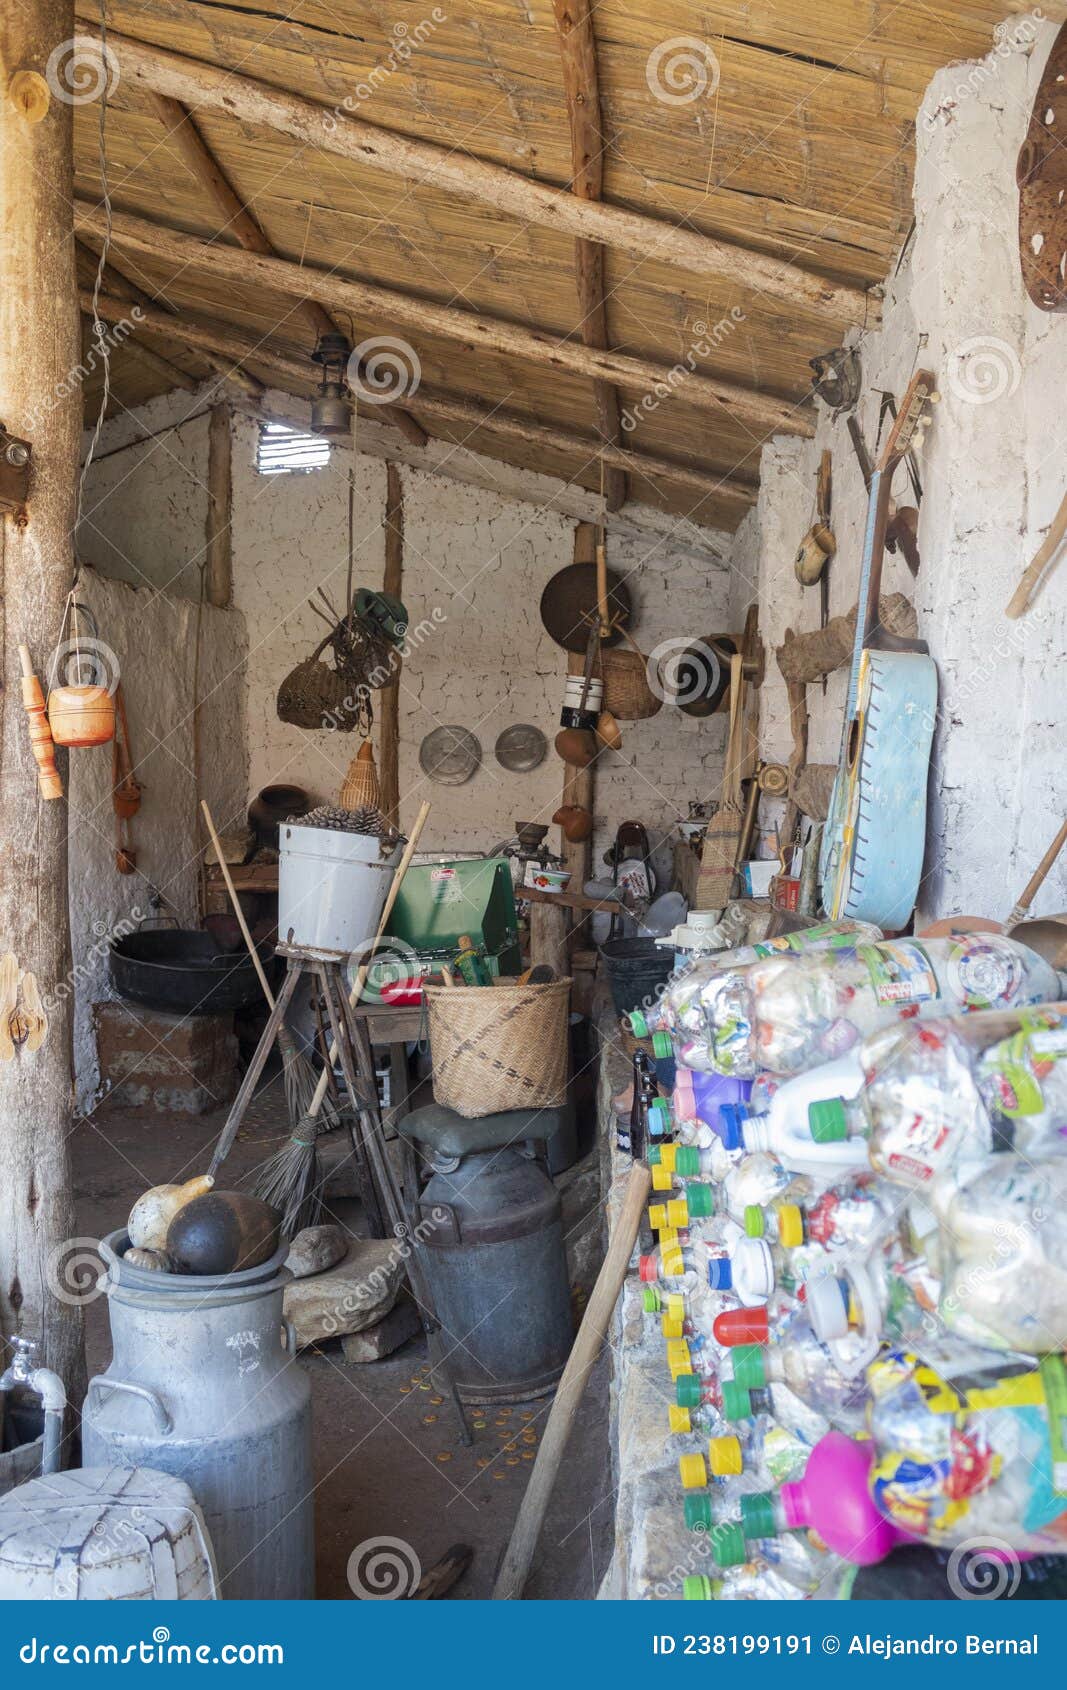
(357, 1293)
(374, 1343)
(183, 1063)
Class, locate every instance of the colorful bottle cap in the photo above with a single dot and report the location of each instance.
(698, 1513)
(728, 1545)
(669, 1236)
(827, 1120)
(672, 1326)
(750, 1366)
(736, 1402)
(827, 1299)
(679, 1360)
(678, 1213)
(687, 1161)
(659, 1120)
(650, 1301)
(688, 1390)
(732, 1118)
(648, 1268)
(672, 1261)
(725, 1457)
(680, 1419)
(790, 1226)
(757, 1515)
(655, 1152)
(657, 1217)
(693, 1472)
(638, 1024)
(662, 1178)
(742, 1326)
(697, 1587)
(667, 1156)
(675, 1305)
(662, 1045)
(720, 1273)
(755, 1221)
(701, 1200)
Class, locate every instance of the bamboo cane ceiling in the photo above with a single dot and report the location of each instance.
(803, 151)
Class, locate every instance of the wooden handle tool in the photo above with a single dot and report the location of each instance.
(49, 780)
(1020, 599)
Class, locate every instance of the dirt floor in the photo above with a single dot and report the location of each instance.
(388, 1458)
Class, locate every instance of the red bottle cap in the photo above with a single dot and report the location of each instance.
(742, 1326)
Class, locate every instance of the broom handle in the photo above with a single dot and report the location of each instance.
(237, 910)
(361, 977)
(1038, 878)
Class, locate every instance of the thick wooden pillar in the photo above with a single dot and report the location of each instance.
(389, 708)
(40, 348)
(218, 555)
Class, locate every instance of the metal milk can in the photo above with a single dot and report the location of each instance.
(200, 1386)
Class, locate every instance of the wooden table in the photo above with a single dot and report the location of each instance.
(394, 1029)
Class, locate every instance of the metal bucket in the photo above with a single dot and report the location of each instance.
(331, 888)
(491, 1246)
(200, 1386)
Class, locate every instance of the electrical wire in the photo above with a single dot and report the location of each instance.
(98, 280)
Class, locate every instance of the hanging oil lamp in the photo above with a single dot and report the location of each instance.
(330, 409)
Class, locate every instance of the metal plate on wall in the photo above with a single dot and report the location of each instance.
(521, 748)
(450, 755)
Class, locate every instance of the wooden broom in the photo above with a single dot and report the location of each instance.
(722, 839)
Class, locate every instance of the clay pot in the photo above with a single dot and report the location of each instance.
(152, 1214)
(577, 823)
(576, 746)
(271, 807)
(80, 716)
(224, 1232)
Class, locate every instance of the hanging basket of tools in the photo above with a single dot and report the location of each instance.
(337, 696)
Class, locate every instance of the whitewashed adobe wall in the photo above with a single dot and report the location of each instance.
(152, 637)
(994, 476)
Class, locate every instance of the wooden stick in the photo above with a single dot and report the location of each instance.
(49, 780)
(237, 910)
(389, 706)
(361, 977)
(1019, 602)
(1038, 878)
(519, 1554)
(211, 87)
(477, 333)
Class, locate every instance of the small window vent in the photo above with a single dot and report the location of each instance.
(283, 449)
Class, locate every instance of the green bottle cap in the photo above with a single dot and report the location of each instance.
(638, 1024)
(698, 1514)
(755, 1225)
(728, 1545)
(662, 1045)
(757, 1515)
(650, 1302)
(736, 1403)
(827, 1120)
(687, 1161)
(699, 1588)
(701, 1200)
(655, 1155)
(750, 1366)
(688, 1390)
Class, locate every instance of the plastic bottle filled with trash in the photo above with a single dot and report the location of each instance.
(792, 1554)
(974, 1456)
(1003, 1255)
(759, 1179)
(818, 1007)
(804, 1365)
(784, 1130)
(953, 1090)
(763, 1450)
(757, 1581)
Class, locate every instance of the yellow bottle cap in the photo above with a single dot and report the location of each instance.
(678, 1213)
(790, 1226)
(662, 1178)
(693, 1471)
(671, 1260)
(657, 1217)
(667, 1156)
(669, 1235)
(672, 1326)
(675, 1305)
(725, 1458)
(678, 1357)
(680, 1418)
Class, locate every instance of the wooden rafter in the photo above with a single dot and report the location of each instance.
(757, 412)
(171, 373)
(184, 132)
(581, 84)
(289, 372)
(507, 191)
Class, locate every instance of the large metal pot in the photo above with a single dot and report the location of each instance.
(182, 971)
(200, 1386)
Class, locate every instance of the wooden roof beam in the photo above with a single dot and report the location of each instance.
(760, 413)
(507, 191)
(581, 84)
(285, 370)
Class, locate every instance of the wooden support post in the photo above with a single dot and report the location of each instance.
(217, 557)
(389, 710)
(40, 349)
(578, 784)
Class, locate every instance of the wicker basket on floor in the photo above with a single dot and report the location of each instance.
(499, 1047)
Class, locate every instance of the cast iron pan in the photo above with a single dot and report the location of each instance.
(182, 971)
(569, 602)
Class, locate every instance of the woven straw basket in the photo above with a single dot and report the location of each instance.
(499, 1047)
(627, 693)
